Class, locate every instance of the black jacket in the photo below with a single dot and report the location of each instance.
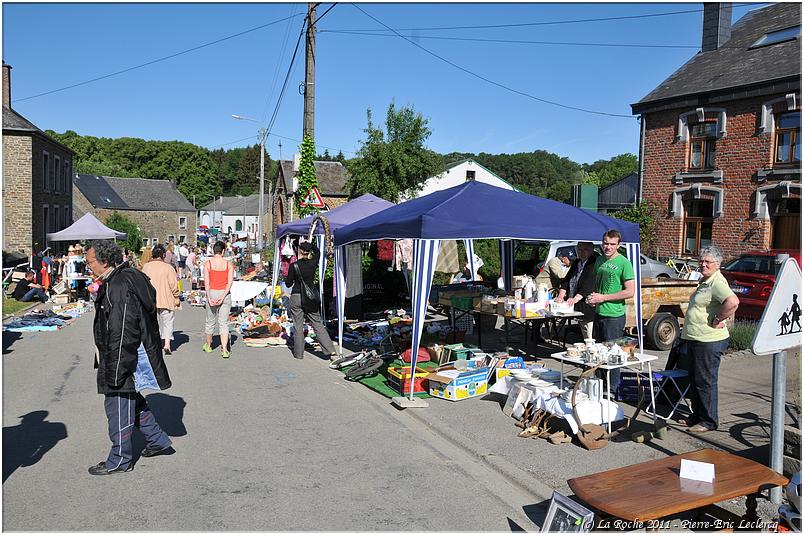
(586, 284)
(307, 267)
(125, 316)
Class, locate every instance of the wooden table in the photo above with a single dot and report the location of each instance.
(653, 490)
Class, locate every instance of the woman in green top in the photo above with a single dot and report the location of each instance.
(706, 337)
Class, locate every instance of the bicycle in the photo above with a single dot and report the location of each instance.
(684, 268)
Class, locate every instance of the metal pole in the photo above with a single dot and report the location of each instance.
(777, 420)
(261, 208)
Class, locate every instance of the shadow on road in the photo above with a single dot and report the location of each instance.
(179, 339)
(8, 340)
(169, 412)
(25, 444)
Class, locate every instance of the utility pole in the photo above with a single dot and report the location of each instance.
(309, 74)
(261, 208)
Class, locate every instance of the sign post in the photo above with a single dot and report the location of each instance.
(780, 329)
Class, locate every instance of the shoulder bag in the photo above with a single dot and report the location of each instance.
(307, 293)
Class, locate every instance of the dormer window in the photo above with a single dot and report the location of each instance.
(779, 36)
(702, 145)
(788, 138)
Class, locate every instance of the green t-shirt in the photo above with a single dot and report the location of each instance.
(611, 277)
(704, 305)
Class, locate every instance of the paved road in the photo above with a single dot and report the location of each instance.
(264, 442)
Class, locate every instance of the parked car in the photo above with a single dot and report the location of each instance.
(751, 277)
(653, 269)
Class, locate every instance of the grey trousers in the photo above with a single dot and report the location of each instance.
(314, 318)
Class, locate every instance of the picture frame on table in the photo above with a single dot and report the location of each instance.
(567, 516)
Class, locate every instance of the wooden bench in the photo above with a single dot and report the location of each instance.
(653, 490)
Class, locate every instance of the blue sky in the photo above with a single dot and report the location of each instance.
(191, 97)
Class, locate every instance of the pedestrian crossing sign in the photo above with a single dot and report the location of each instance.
(780, 325)
(313, 199)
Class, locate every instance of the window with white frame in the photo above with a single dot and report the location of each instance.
(182, 237)
(778, 36)
(702, 144)
(171, 238)
(787, 147)
(145, 242)
(45, 171)
(182, 223)
(698, 221)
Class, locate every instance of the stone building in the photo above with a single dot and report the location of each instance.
(160, 210)
(37, 190)
(721, 137)
(331, 177)
(236, 214)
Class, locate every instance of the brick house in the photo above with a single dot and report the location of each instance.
(331, 177)
(159, 209)
(37, 190)
(720, 142)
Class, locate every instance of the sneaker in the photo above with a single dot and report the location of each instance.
(225, 354)
(101, 470)
(149, 452)
(206, 348)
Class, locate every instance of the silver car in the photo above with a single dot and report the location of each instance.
(652, 269)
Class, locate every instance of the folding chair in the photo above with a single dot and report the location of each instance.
(669, 379)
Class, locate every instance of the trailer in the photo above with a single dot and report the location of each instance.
(664, 307)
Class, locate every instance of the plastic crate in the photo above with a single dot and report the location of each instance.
(628, 389)
(399, 379)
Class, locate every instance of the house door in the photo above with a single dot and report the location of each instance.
(786, 225)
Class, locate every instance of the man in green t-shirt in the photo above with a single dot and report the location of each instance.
(615, 284)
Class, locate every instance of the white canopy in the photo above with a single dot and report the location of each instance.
(86, 228)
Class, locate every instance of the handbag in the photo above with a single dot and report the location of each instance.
(307, 293)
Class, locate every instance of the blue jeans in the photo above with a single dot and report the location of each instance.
(702, 361)
(606, 329)
(39, 293)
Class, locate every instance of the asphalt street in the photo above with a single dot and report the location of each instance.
(263, 442)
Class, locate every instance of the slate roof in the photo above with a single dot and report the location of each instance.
(331, 177)
(142, 194)
(735, 65)
(234, 205)
(14, 121)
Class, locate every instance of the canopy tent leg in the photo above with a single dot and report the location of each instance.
(470, 257)
(632, 250)
(340, 292)
(425, 255)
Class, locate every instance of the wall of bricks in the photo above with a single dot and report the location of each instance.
(153, 224)
(740, 154)
(17, 193)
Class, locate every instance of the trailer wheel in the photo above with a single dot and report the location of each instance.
(662, 331)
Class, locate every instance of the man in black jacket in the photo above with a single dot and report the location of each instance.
(580, 282)
(128, 356)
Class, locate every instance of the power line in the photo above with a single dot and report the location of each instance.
(514, 41)
(157, 60)
(229, 143)
(547, 23)
(488, 80)
(281, 55)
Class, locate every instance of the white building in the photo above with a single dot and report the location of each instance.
(457, 173)
(234, 215)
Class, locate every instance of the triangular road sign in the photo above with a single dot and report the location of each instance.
(780, 325)
(313, 199)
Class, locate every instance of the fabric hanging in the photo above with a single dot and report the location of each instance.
(322, 269)
(274, 276)
(448, 257)
(385, 250)
(354, 270)
(632, 251)
(425, 257)
(403, 254)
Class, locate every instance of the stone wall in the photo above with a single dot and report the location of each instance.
(55, 194)
(17, 204)
(743, 155)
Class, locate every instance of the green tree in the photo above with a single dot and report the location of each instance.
(119, 222)
(646, 215)
(605, 172)
(394, 161)
(307, 177)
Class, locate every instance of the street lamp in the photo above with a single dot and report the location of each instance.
(260, 208)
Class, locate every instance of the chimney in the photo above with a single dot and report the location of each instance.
(6, 85)
(716, 25)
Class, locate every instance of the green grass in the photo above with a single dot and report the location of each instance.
(742, 334)
(11, 306)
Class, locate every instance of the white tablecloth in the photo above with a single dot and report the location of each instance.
(244, 290)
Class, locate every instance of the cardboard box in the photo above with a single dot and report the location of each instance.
(456, 386)
(61, 299)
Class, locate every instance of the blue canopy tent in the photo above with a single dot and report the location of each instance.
(339, 217)
(475, 210)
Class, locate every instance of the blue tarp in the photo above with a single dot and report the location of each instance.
(475, 210)
(339, 217)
